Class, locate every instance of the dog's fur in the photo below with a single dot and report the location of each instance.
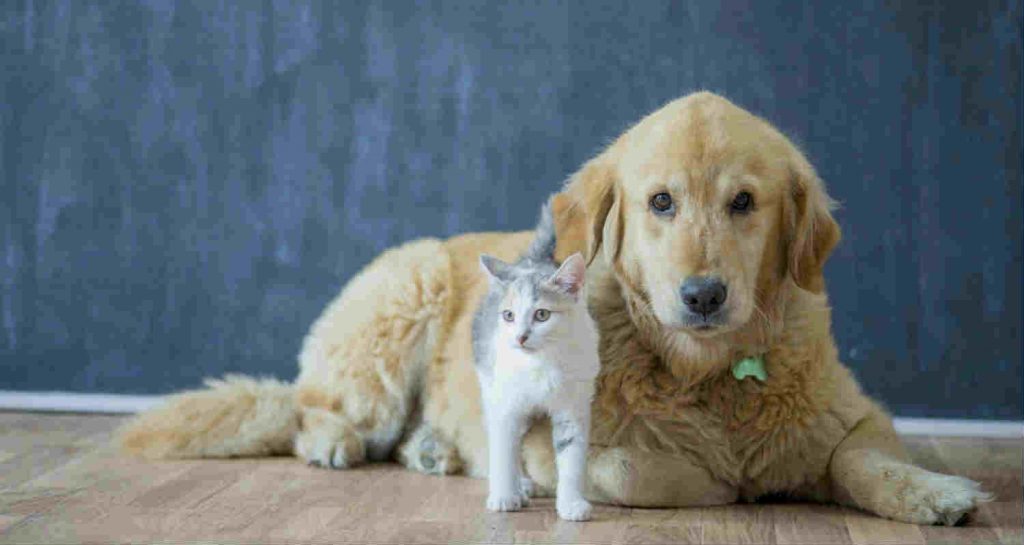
(388, 366)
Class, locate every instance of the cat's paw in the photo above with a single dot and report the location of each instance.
(504, 502)
(574, 510)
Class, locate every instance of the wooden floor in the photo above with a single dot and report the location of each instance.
(60, 482)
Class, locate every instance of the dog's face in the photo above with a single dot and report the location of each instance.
(703, 210)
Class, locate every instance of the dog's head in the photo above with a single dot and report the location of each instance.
(703, 211)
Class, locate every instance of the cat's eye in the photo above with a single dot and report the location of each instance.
(742, 203)
(542, 315)
(507, 315)
(662, 203)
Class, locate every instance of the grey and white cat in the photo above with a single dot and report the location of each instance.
(536, 353)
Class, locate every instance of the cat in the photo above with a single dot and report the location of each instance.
(535, 347)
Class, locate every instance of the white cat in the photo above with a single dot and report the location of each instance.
(536, 353)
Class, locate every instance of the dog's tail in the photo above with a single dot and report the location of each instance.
(234, 416)
(542, 248)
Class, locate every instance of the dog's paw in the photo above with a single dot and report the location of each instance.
(574, 510)
(932, 498)
(337, 453)
(504, 502)
(527, 489)
(426, 452)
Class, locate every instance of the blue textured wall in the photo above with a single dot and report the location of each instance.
(185, 186)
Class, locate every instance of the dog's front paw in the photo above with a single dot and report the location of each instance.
(428, 453)
(933, 498)
(574, 510)
(527, 489)
(331, 452)
(504, 502)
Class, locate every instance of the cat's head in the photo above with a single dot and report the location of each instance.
(538, 303)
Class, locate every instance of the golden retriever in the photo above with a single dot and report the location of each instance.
(706, 231)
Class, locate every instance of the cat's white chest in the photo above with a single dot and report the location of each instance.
(520, 374)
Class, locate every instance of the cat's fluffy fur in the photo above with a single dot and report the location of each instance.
(535, 349)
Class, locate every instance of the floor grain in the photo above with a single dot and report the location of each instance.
(61, 482)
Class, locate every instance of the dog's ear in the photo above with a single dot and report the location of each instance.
(813, 231)
(611, 234)
(581, 208)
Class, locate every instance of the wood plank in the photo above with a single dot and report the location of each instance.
(192, 487)
(738, 524)
(997, 463)
(7, 521)
(303, 525)
(31, 501)
(810, 524)
(93, 494)
(967, 535)
(1006, 518)
(25, 465)
(663, 526)
(542, 525)
(867, 529)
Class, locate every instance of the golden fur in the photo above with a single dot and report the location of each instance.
(390, 361)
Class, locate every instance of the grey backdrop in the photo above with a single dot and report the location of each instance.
(185, 186)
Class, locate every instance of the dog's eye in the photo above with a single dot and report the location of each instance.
(542, 315)
(743, 202)
(662, 203)
(507, 315)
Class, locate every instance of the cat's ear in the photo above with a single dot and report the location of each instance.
(495, 268)
(569, 277)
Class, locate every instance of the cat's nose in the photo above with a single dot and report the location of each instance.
(522, 339)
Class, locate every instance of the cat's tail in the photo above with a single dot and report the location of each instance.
(233, 416)
(543, 246)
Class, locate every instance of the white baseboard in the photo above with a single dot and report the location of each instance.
(75, 402)
(122, 404)
(945, 427)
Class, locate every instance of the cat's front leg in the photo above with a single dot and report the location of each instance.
(570, 432)
(504, 435)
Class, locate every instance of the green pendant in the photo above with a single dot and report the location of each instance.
(750, 367)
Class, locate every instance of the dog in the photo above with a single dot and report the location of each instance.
(706, 231)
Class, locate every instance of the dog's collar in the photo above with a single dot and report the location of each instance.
(750, 367)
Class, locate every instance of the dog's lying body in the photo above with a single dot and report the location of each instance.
(388, 366)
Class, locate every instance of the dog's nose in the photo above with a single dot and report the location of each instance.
(703, 294)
